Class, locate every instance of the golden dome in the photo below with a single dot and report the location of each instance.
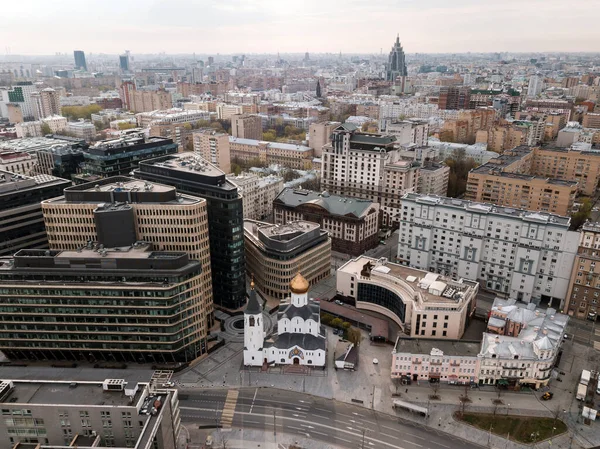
(299, 285)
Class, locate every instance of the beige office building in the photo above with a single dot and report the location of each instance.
(45, 103)
(422, 304)
(214, 147)
(275, 254)
(292, 156)
(246, 126)
(171, 221)
(319, 134)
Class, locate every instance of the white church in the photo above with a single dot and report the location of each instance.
(299, 340)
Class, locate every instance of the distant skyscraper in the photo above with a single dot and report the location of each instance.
(124, 62)
(536, 84)
(80, 63)
(396, 65)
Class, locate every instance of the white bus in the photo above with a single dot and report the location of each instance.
(423, 411)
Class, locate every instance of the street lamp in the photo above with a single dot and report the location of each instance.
(507, 409)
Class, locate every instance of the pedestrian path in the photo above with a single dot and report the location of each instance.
(229, 409)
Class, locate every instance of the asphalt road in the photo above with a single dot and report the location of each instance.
(319, 419)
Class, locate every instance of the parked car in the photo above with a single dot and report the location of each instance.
(375, 362)
(338, 302)
(335, 332)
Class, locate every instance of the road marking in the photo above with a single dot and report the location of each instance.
(320, 416)
(229, 409)
(415, 436)
(253, 399)
(410, 442)
(332, 428)
(439, 444)
(323, 409)
(320, 433)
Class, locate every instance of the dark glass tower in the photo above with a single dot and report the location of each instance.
(396, 65)
(80, 63)
(195, 176)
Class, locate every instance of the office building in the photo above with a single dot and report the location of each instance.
(352, 223)
(148, 100)
(14, 113)
(258, 194)
(433, 178)
(170, 116)
(518, 253)
(519, 349)
(423, 304)
(454, 97)
(591, 120)
(370, 167)
(121, 156)
(99, 325)
(583, 297)
(124, 63)
(299, 339)
(21, 219)
(80, 63)
(277, 253)
(296, 157)
(139, 211)
(214, 147)
(20, 93)
(246, 126)
(86, 414)
(125, 90)
(194, 176)
(82, 130)
(319, 134)
(56, 123)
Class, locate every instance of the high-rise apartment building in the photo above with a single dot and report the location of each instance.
(125, 90)
(396, 66)
(368, 166)
(525, 255)
(433, 178)
(408, 132)
(275, 254)
(80, 63)
(121, 156)
(21, 219)
(195, 176)
(45, 103)
(137, 211)
(454, 97)
(246, 126)
(20, 93)
(149, 100)
(536, 85)
(86, 414)
(583, 298)
(124, 63)
(214, 147)
(319, 134)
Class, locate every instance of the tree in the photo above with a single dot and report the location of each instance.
(99, 125)
(269, 135)
(584, 212)
(397, 381)
(80, 112)
(123, 126)
(46, 129)
(187, 126)
(435, 386)
(354, 335)
(346, 325)
(336, 322)
(326, 319)
(289, 175)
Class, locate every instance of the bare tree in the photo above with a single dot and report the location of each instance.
(397, 381)
(435, 387)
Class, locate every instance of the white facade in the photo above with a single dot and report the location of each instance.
(56, 123)
(257, 194)
(169, 116)
(75, 100)
(29, 129)
(83, 130)
(408, 132)
(478, 152)
(525, 255)
(536, 85)
(226, 111)
(298, 339)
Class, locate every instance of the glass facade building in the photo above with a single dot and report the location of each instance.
(383, 297)
(195, 176)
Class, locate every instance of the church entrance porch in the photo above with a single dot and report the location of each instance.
(296, 361)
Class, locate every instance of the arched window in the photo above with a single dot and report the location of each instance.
(251, 321)
(282, 360)
(309, 362)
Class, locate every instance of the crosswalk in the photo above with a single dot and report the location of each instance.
(229, 409)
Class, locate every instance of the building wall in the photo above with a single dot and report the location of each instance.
(434, 181)
(319, 134)
(146, 101)
(452, 369)
(246, 126)
(523, 256)
(214, 147)
(272, 276)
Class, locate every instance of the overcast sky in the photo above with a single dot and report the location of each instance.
(317, 26)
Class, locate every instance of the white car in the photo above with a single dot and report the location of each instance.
(375, 362)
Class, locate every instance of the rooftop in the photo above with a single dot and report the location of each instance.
(429, 287)
(275, 145)
(11, 182)
(487, 208)
(334, 204)
(447, 347)
(186, 162)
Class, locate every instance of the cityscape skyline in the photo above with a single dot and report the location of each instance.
(265, 27)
